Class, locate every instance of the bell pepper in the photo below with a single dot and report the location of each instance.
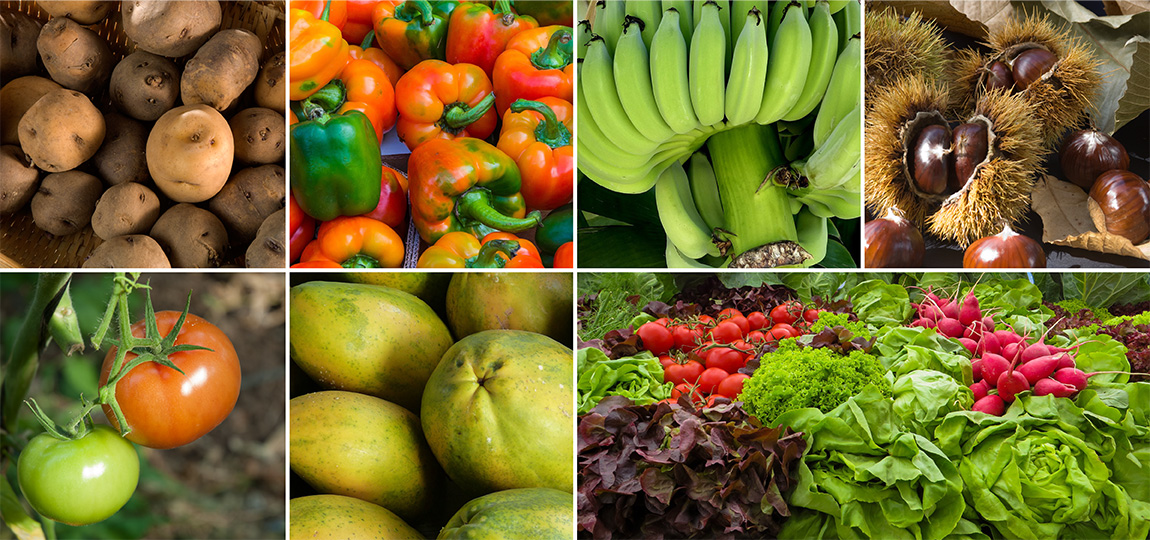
(368, 90)
(302, 228)
(537, 63)
(465, 185)
(477, 33)
(337, 10)
(526, 256)
(557, 229)
(547, 12)
(392, 208)
(437, 100)
(364, 51)
(334, 162)
(359, 19)
(462, 250)
(413, 31)
(354, 242)
(318, 53)
(564, 256)
(537, 135)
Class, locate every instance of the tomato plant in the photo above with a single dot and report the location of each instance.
(165, 408)
(656, 337)
(78, 481)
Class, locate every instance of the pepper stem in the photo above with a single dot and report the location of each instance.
(550, 131)
(360, 260)
(368, 39)
(488, 256)
(459, 115)
(503, 7)
(475, 205)
(411, 9)
(557, 54)
(326, 11)
(327, 100)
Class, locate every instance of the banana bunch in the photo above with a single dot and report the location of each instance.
(657, 80)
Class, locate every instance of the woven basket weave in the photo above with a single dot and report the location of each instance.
(22, 244)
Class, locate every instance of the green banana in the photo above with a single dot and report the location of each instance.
(669, 74)
(775, 17)
(837, 5)
(824, 51)
(828, 167)
(787, 70)
(848, 20)
(686, 18)
(632, 72)
(739, 10)
(676, 259)
(705, 190)
(812, 231)
(609, 15)
(843, 91)
(724, 20)
(707, 75)
(610, 178)
(681, 220)
(798, 146)
(647, 11)
(582, 36)
(744, 91)
(597, 81)
(828, 203)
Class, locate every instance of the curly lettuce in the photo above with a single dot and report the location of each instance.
(638, 378)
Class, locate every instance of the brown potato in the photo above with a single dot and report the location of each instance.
(267, 250)
(191, 236)
(270, 84)
(16, 98)
(18, 179)
(259, 135)
(145, 86)
(190, 153)
(81, 11)
(248, 199)
(74, 56)
(222, 69)
(62, 130)
(168, 28)
(131, 251)
(65, 202)
(18, 33)
(122, 157)
(129, 208)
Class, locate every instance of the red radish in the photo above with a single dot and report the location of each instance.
(991, 404)
(935, 299)
(974, 331)
(1039, 368)
(923, 323)
(980, 389)
(950, 327)
(1011, 383)
(976, 369)
(993, 366)
(1065, 361)
(1037, 349)
(969, 311)
(970, 344)
(1011, 351)
(929, 311)
(988, 323)
(989, 343)
(950, 310)
(1072, 376)
(1006, 337)
(1051, 386)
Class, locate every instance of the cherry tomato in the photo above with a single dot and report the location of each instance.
(710, 379)
(656, 338)
(742, 346)
(663, 321)
(787, 312)
(78, 481)
(756, 337)
(728, 313)
(726, 332)
(811, 315)
(713, 399)
(757, 320)
(728, 360)
(777, 334)
(166, 409)
(732, 386)
(687, 372)
(665, 361)
(686, 337)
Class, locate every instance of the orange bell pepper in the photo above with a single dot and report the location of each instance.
(359, 19)
(369, 90)
(337, 10)
(376, 55)
(478, 33)
(353, 242)
(413, 31)
(437, 100)
(537, 135)
(527, 256)
(564, 256)
(537, 63)
(462, 250)
(318, 53)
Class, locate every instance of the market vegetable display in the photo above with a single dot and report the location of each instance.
(771, 91)
(922, 405)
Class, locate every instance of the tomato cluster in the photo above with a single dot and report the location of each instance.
(702, 355)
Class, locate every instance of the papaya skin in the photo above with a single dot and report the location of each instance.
(539, 513)
(534, 302)
(335, 517)
(429, 287)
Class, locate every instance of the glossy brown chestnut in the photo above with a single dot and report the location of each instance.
(999, 76)
(932, 159)
(892, 242)
(1030, 65)
(1086, 154)
(970, 148)
(1006, 249)
(1125, 201)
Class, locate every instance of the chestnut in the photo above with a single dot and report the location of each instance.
(892, 242)
(1125, 201)
(932, 159)
(1006, 249)
(1088, 153)
(1030, 66)
(999, 76)
(970, 148)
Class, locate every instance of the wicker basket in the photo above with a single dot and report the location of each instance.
(22, 244)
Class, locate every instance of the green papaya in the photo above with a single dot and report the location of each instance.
(535, 302)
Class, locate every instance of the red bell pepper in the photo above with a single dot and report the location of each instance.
(462, 250)
(537, 135)
(527, 256)
(302, 227)
(564, 256)
(359, 19)
(437, 100)
(477, 34)
(392, 208)
(537, 63)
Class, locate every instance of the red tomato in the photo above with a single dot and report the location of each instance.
(656, 338)
(666, 361)
(686, 337)
(689, 390)
(710, 379)
(811, 315)
(664, 322)
(757, 337)
(790, 330)
(742, 346)
(728, 360)
(166, 409)
(726, 332)
(687, 372)
(728, 313)
(713, 399)
(776, 334)
(742, 323)
(787, 312)
(706, 320)
(732, 386)
(757, 320)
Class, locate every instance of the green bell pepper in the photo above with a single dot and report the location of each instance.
(415, 31)
(557, 229)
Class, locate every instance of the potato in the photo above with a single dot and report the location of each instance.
(16, 98)
(267, 250)
(222, 69)
(65, 202)
(62, 130)
(170, 28)
(75, 56)
(129, 208)
(191, 236)
(131, 251)
(190, 153)
(270, 84)
(18, 179)
(259, 135)
(83, 12)
(248, 199)
(18, 33)
(145, 86)
(122, 157)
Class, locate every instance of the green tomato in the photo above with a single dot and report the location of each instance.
(78, 481)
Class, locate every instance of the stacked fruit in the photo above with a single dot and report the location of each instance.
(772, 89)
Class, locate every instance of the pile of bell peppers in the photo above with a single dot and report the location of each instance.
(479, 92)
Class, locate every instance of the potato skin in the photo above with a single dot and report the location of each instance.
(145, 86)
(18, 33)
(222, 69)
(191, 236)
(74, 56)
(122, 157)
(259, 135)
(131, 251)
(81, 11)
(190, 152)
(128, 208)
(18, 179)
(65, 202)
(249, 197)
(16, 97)
(270, 84)
(171, 29)
(62, 130)
(268, 249)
